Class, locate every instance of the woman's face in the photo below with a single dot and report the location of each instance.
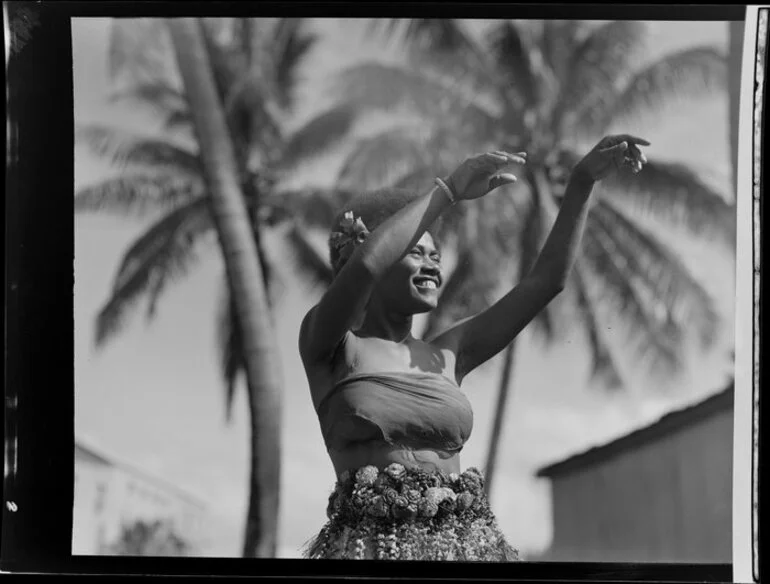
(411, 286)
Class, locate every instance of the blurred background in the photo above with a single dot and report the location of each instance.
(605, 429)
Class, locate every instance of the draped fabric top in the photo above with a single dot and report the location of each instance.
(412, 410)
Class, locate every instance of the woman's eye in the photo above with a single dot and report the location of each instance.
(436, 258)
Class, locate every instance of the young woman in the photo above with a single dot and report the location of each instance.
(392, 414)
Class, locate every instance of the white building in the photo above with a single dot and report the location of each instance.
(110, 494)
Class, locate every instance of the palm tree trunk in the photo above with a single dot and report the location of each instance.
(244, 273)
(503, 392)
(529, 249)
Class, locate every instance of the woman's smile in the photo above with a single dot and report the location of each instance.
(426, 283)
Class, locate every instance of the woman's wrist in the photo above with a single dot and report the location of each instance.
(581, 179)
(446, 187)
(580, 185)
(581, 176)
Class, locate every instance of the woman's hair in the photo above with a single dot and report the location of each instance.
(374, 208)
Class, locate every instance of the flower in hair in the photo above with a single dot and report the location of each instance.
(350, 233)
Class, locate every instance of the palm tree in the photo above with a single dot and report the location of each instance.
(156, 538)
(551, 89)
(255, 68)
(245, 277)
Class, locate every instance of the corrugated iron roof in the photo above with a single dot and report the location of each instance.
(668, 423)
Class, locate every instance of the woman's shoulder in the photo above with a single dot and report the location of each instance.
(328, 363)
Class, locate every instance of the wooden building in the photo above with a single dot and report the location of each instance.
(660, 494)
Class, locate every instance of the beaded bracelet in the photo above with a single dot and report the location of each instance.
(447, 191)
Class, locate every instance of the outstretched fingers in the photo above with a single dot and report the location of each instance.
(508, 158)
(501, 179)
(627, 152)
(616, 153)
(637, 153)
(631, 139)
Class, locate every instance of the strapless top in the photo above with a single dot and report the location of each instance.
(411, 410)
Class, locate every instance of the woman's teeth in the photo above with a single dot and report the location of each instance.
(429, 284)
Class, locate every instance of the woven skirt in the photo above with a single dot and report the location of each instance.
(408, 514)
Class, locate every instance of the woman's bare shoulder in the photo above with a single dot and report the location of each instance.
(323, 374)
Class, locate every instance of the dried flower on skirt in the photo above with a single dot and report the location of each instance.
(407, 514)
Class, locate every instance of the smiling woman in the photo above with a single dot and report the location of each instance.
(392, 414)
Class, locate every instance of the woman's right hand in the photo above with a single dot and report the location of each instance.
(478, 175)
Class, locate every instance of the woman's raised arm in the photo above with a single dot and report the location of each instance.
(345, 300)
(479, 338)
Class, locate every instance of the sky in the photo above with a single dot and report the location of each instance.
(154, 396)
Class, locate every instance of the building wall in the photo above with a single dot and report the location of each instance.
(139, 499)
(669, 500)
(108, 496)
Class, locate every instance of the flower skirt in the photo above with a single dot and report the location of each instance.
(408, 514)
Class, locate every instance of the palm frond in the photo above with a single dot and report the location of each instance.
(291, 45)
(319, 135)
(444, 47)
(375, 161)
(137, 50)
(136, 194)
(179, 120)
(531, 238)
(661, 357)
(253, 121)
(246, 34)
(230, 345)
(685, 75)
(604, 367)
(512, 51)
(270, 276)
(175, 269)
(673, 194)
(428, 34)
(156, 94)
(242, 78)
(443, 43)
(596, 71)
(683, 299)
(164, 246)
(179, 227)
(389, 28)
(378, 86)
(126, 148)
(480, 85)
(559, 39)
(317, 208)
(312, 264)
(227, 65)
(253, 124)
(417, 179)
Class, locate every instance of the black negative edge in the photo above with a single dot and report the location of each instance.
(636, 11)
(40, 347)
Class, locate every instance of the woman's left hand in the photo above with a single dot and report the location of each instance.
(612, 154)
